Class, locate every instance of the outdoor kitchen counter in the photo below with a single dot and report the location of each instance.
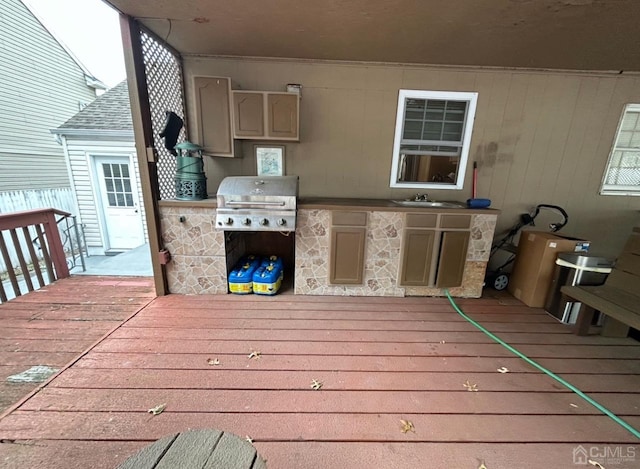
(378, 205)
(198, 248)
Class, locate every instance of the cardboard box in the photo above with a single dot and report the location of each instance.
(535, 263)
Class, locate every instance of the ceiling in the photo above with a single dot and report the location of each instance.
(555, 34)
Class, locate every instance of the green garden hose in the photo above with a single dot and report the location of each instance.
(566, 384)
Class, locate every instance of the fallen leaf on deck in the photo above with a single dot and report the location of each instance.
(442, 342)
(573, 405)
(482, 466)
(249, 439)
(470, 386)
(407, 426)
(255, 354)
(157, 409)
(597, 464)
(503, 369)
(315, 384)
(212, 362)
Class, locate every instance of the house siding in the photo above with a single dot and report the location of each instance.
(42, 87)
(539, 136)
(79, 151)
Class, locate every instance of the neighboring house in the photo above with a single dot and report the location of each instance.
(100, 152)
(41, 86)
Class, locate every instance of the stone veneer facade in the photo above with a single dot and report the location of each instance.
(382, 257)
(198, 264)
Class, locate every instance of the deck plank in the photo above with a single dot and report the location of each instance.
(448, 349)
(186, 361)
(132, 426)
(345, 402)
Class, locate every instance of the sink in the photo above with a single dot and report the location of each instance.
(429, 204)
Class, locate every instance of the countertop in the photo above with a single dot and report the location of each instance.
(383, 205)
(333, 203)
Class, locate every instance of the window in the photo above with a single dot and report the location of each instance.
(118, 184)
(431, 145)
(622, 176)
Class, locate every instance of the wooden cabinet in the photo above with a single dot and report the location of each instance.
(347, 248)
(248, 114)
(434, 249)
(417, 254)
(212, 97)
(266, 115)
(283, 116)
(453, 255)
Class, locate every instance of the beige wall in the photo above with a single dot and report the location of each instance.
(539, 137)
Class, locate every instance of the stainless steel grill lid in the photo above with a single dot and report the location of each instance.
(257, 203)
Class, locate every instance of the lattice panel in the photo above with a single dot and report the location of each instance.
(164, 83)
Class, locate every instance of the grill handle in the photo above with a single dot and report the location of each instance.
(264, 204)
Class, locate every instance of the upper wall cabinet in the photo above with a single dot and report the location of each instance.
(213, 115)
(266, 115)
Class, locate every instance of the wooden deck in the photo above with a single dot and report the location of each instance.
(380, 361)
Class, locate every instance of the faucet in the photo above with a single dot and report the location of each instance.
(421, 197)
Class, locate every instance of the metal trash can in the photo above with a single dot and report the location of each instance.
(574, 269)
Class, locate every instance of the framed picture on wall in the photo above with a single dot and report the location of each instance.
(269, 160)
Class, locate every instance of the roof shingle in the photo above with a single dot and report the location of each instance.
(111, 111)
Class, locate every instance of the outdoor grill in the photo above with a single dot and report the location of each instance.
(257, 203)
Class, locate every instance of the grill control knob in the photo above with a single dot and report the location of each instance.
(246, 221)
(281, 222)
(264, 222)
(229, 221)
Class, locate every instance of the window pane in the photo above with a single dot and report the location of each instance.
(112, 200)
(125, 170)
(434, 104)
(624, 169)
(118, 185)
(635, 140)
(127, 185)
(631, 121)
(434, 115)
(109, 184)
(116, 170)
(120, 200)
(429, 168)
(455, 129)
(456, 106)
(106, 168)
(129, 200)
(412, 130)
(624, 139)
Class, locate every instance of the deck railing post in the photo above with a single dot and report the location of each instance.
(56, 250)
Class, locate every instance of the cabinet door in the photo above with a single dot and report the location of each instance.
(248, 115)
(213, 115)
(453, 255)
(282, 116)
(346, 258)
(417, 252)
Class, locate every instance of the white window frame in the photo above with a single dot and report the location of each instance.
(612, 189)
(403, 95)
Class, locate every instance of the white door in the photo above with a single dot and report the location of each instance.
(122, 221)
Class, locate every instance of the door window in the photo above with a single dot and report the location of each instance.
(118, 184)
